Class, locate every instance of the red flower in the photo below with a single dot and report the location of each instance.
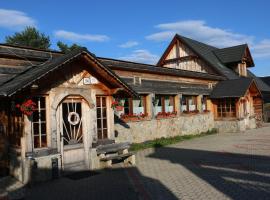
(27, 107)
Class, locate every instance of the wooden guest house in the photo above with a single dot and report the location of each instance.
(58, 110)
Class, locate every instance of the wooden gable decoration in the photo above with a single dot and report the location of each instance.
(179, 56)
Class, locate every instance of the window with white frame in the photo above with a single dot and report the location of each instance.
(204, 103)
(188, 103)
(134, 106)
(39, 123)
(164, 103)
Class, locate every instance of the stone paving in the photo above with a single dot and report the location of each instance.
(221, 166)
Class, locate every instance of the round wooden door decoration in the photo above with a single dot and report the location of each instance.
(74, 118)
(72, 122)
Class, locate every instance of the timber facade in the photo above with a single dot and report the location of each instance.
(57, 109)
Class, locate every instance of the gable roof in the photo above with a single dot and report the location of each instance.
(23, 79)
(217, 58)
(231, 54)
(261, 84)
(266, 80)
(206, 53)
(232, 88)
(115, 64)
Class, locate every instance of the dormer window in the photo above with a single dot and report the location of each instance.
(137, 80)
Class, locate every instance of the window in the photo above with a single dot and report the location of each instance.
(137, 80)
(204, 103)
(39, 123)
(101, 117)
(189, 103)
(226, 108)
(164, 104)
(134, 106)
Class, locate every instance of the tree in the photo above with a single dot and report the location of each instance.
(65, 48)
(30, 37)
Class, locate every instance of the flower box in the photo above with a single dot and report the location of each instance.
(162, 115)
(133, 117)
(119, 108)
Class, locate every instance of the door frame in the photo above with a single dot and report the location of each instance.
(85, 109)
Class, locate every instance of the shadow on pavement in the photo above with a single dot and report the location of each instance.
(115, 183)
(238, 176)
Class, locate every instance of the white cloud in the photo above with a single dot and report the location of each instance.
(141, 56)
(129, 44)
(199, 30)
(14, 19)
(261, 49)
(76, 37)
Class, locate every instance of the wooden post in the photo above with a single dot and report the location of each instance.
(199, 103)
(177, 103)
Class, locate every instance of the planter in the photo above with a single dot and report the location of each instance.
(130, 119)
(119, 108)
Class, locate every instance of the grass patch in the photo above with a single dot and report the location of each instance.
(161, 142)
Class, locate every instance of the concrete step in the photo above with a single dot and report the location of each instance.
(74, 167)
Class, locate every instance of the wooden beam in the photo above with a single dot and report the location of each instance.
(179, 59)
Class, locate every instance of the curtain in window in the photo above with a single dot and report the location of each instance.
(191, 103)
(138, 106)
(184, 104)
(204, 103)
(168, 104)
(158, 105)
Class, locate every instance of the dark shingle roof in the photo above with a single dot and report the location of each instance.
(266, 80)
(27, 52)
(231, 88)
(231, 54)
(33, 73)
(132, 66)
(207, 53)
(165, 87)
(261, 84)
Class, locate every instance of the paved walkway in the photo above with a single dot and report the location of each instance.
(221, 166)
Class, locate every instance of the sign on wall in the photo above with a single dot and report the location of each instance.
(90, 80)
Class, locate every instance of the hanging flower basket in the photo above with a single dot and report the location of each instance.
(117, 105)
(27, 107)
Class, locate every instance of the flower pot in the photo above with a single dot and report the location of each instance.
(119, 108)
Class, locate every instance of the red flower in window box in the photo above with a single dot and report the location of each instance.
(166, 114)
(27, 107)
(116, 105)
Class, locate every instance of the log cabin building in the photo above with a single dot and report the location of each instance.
(193, 88)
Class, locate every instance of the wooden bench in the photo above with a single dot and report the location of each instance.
(110, 152)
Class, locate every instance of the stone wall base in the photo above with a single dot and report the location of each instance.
(229, 126)
(141, 131)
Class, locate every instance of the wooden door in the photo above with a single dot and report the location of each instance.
(72, 131)
(102, 123)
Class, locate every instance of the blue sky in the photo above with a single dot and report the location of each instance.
(140, 30)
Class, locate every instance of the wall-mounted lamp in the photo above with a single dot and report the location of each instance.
(34, 86)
